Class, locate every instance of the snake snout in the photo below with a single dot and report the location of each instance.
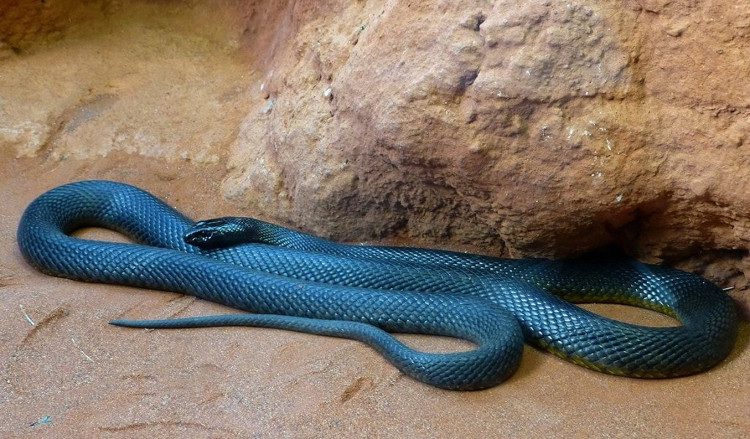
(212, 233)
(199, 237)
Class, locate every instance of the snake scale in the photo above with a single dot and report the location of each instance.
(290, 280)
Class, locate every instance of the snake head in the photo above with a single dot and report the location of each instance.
(212, 233)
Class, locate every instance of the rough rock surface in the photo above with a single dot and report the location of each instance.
(532, 128)
(520, 128)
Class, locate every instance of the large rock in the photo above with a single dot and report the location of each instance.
(521, 128)
(511, 128)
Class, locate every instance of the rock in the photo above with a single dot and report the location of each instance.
(513, 128)
(676, 29)
(533, 128)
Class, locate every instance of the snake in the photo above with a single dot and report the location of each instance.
(281, 278)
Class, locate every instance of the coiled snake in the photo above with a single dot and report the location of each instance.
(295, 281)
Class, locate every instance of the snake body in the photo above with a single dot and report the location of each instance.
(291, 280)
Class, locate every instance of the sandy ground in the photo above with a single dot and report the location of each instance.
(67, 373)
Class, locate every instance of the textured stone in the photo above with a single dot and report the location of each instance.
(532, 128)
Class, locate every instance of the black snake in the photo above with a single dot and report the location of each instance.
(291, 280)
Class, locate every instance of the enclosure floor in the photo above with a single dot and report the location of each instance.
(67, 373)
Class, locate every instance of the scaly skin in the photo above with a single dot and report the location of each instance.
(303, 283)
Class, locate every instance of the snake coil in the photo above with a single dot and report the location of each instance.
(290, 280)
